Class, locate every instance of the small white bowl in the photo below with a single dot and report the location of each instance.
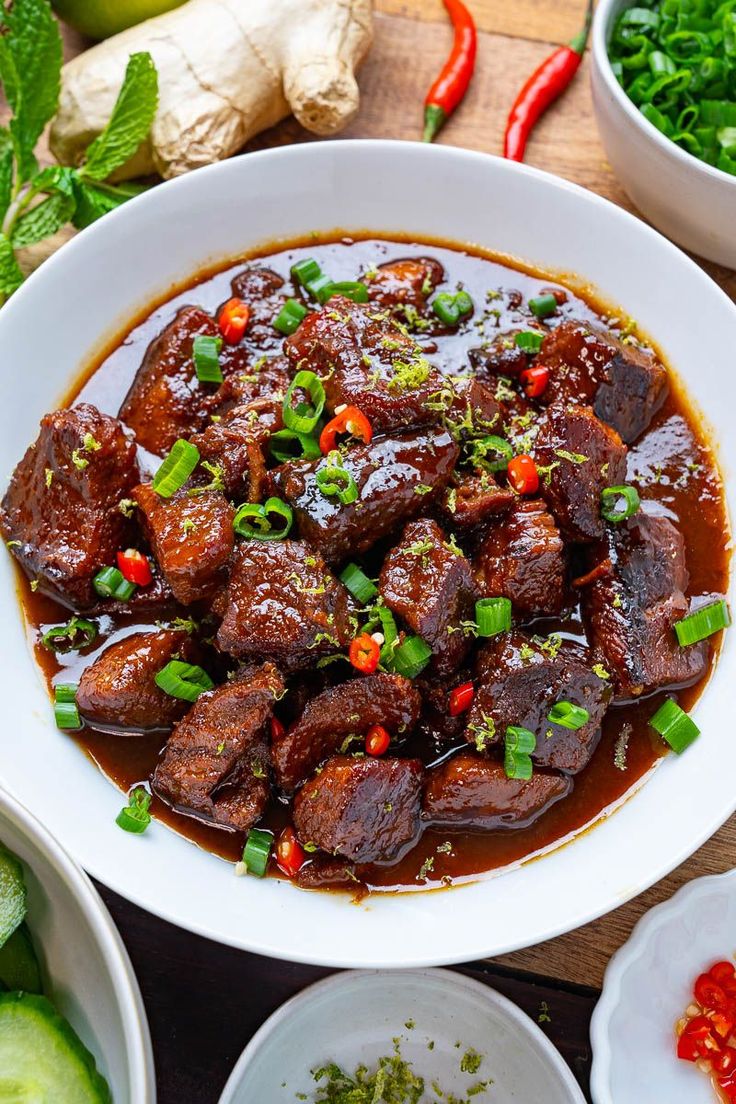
(353, 1018)
(647, 987)
(688, 200)
(85, 967)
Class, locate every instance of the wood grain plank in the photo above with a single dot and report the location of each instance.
(543, 22)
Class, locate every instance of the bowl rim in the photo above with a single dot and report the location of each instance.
(137, 1036)
(599, 49)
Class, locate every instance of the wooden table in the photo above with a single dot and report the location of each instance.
(205, 1001)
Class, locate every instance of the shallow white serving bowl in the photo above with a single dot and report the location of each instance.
(97, 283)
(647, 987)
(352, 1018)
(691, 202)
(85, 965)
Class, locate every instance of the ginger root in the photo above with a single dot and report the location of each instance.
(227, 69)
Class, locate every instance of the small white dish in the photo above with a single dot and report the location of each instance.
(688, 200)
(84, 964)
(647, 987)
(352, 1018)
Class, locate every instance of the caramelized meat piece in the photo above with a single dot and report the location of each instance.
(262, 290)
(473, 498)
(283, 601)
(391, 476)
(501, 357)
(166, 400)
(368, 362)
(118, 692)
(430, 586)
(625, 385)
(635, 595)
(323, 870)
(518, 682)
(338, 713)
(60, 513)
(522, 558)
(191, 536)
(468, 791)
(471, 408)
(235, 448)
(583, 456)
(215, 764)
(364, 809)
(406, 282)
(261, 385)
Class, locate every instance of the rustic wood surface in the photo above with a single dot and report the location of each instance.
(192, 988)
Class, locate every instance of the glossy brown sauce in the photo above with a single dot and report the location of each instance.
(671, 463)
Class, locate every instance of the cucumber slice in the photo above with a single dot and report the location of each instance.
(42, 1059)
(18, 963)
(12, 894)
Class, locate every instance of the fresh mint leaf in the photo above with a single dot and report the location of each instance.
(6, 172)
(43, 220)
(11, 276)
(96, 200)
(130, 121)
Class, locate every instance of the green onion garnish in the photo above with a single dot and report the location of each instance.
(206, 354)
(176, 468)
(619, 503)
(290, 316)
(110, 583)
(493, 616)
(303, 418)
(568, 715)
(519, 743)
(702, 623)
(451, 308)
(66, 713)
(358, 583)
(334, 479)
(135, 817)
(390, 636)
(321, 288)
(304, 271)
(675, 726)
(286, 445)
(257, 851)
(529, 341)
(492, 453)
(64, 638)
(543, 305)
(411, 657)
(351, 289)
(254, 521)
(183, 680)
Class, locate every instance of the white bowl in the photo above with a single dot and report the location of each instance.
(647, 987)
(693, 203)
(352, 1018)
(85, 966)
(98, 282)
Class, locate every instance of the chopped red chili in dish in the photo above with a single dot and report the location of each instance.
(377, 740)
(705, 1035)
(349, 420)
(461, 699)
(523, 475)
(233, 320)
(365, 653)
(134, 567)
(289, 853)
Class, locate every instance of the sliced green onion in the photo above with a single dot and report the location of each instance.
(63, 638)
(529, 341)
(334, 479)
(517, 765)
(286, 445)
(702, 623)
(498, 448)
(176, 468)
(290, 317)
(451, 308)
(257, 851)
(206, 354)
(619, 503)
(358, 583)
(543, 305)
(303, 418)
(110, 583)
(411, 657)
(254, 521)
(182, 680)
(493, 616)
(639, 17)
(519, 743)
(674, 726)
(135, 817)
(568, 715)
(351, 289)
(66, 713)
(390, 636)
(304, 271)
(520, 739)
(320, 288)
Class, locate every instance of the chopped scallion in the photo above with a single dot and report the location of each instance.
(110, 583)
(568, 715)
(255, 521)
(519, 743)
(335, 480)
(135, 817)
(411, 657)
(358, 583)
(182, 680)
(286, 444)
(674, 726)
(257, 851)
(289, 318)
(702, 623)
(305, 270)
(493, 616)
(619, 503)
(529, 341)
(452, 308)
(543, 305)
(206, 354)
(176, 468)
(66, 713)
(303, 418)
(75, 634)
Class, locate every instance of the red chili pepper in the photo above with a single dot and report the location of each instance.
(709, 994)
(364, 654)
(723, 972)
(233, 320)
(534, 380)
(697, 1040)
(461, 698)
(350, 420)
(290, 855)
(523, 475)
(277, 729)
(377, 740)
(724, 1063)
(542, 88)
(134, 567)
(724, 1022)
(727, 1084)
(452, 83)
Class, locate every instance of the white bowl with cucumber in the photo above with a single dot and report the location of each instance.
(72, 1024)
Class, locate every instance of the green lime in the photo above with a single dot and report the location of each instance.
(102, 18)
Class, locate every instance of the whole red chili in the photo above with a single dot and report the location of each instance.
(452, 83)
(542, 88)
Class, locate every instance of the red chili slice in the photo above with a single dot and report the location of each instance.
(290, 855)
(709, 994)
(377, 740)
(350, 420)
(724, 1062)
(134, 567)
(697, 1040)
(461, 698)
(364, 654)
(723, 972)
(233, 320)
(534, 380)
(277, 729)
(523, 475)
